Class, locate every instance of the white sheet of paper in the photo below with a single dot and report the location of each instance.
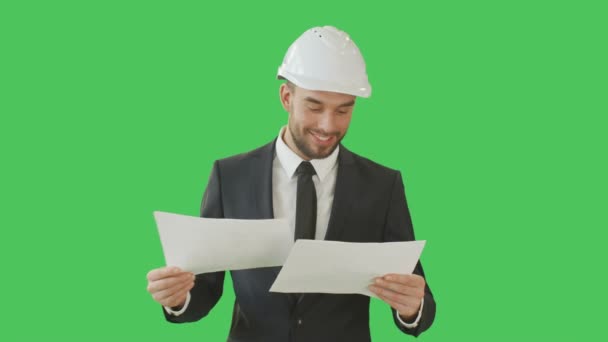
(344, 267)
(201, 245)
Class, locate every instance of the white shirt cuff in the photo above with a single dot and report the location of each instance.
(415, 323)
(180, 311)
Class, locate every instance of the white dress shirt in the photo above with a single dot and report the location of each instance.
(284, 193)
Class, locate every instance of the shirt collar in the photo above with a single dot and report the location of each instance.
(290, 160)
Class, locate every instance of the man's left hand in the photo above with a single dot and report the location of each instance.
(403, 292)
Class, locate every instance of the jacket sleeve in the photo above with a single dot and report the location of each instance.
(398, 227)
(208, 287)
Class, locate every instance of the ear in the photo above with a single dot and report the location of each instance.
(286, 96)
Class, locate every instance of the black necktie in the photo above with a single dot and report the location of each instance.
(306, 212)
(306, 203)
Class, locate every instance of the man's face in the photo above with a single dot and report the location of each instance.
(318, 120)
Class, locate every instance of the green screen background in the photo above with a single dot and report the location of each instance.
(494, 111)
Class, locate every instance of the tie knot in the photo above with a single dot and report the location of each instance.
(305, 168)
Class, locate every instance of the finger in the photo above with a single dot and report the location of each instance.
(412, 280)
(163, 272)
(177, 301)
(395, 297)
(404, 310)
(164, 295)
(165, 283)
(417, 292)
(178, 298)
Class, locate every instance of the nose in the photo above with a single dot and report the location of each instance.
(327, 122)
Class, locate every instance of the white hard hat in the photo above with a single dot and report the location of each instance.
(325, 58)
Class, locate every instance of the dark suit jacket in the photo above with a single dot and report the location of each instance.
(369, 206)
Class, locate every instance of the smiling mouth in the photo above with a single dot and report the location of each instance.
(324, 139)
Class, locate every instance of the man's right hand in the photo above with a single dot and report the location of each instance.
(169, 286)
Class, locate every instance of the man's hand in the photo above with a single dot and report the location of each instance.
(403, 292)
(169, 286)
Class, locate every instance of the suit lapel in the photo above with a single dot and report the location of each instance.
(343, 194)
(260, 196)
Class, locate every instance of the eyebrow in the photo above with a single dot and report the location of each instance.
(345, 104)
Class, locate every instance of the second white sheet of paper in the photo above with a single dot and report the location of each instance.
(344, 267)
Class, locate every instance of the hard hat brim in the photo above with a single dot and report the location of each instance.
(302, 81)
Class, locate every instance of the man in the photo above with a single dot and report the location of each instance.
(325, 191)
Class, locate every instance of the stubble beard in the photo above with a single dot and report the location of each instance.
(300, 142)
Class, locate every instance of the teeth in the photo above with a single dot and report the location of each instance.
(324, 138)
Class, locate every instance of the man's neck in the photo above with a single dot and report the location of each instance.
(288, 140)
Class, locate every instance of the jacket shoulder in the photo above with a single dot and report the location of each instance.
(371, 167)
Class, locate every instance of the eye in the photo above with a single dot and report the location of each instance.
(314, 110)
